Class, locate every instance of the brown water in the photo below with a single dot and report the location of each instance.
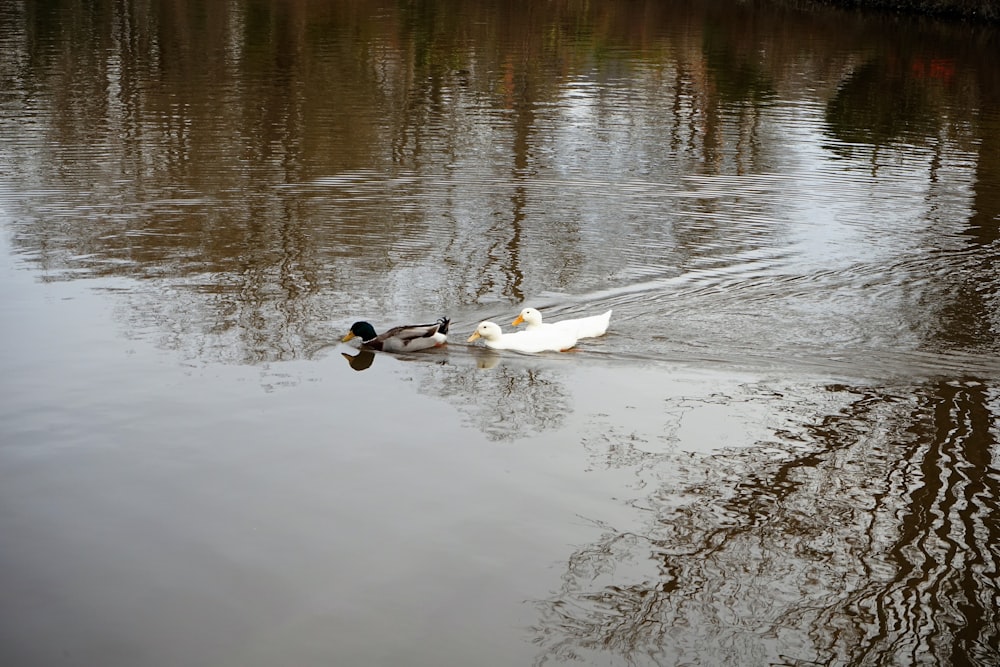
(785, 451)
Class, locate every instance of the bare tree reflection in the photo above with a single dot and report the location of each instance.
(284, 154)
(971, 317)
(871, 542)
(941, 599)
(504, 397)
(241, 173)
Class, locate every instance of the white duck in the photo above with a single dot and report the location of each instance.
(554, 340)
(582, 327)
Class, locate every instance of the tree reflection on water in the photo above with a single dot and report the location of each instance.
(512, 400)
(874, 541)
(735, 179)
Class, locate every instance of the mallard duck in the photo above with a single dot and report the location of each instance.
(583, 327)
(408, 338)
(554, 340)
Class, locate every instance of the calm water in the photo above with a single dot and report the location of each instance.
(784, 452)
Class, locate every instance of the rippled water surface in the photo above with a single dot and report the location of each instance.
(783, 452)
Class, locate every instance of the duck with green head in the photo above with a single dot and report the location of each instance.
(407, 338)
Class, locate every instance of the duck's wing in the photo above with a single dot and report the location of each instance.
(588, 327)
(547, 339)
(598, 324)
(415, 336)
(409, 332)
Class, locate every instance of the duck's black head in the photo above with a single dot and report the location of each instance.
(362, 330)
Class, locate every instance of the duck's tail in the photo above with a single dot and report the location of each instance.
(443, 323)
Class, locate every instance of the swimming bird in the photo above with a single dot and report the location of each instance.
(583, 327)
(554, 340)
(407, 338)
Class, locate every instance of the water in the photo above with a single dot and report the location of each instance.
(783, 452)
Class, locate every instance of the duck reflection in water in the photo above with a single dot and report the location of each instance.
(486, 358)
(360, 361)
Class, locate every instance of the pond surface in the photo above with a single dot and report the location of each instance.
(785, 450)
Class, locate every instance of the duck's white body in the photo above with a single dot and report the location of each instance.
(581, 327)
(544, 340)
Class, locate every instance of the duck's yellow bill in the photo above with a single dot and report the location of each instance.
(349, 336)
(474, 336)
(517, 320)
